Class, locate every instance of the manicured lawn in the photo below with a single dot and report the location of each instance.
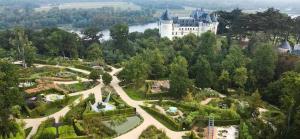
(79, 86)
(50, 108)
(136, 94)
(131, 123)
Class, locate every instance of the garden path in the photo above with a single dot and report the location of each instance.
(35, 122)
(148, 119)
(133, 134)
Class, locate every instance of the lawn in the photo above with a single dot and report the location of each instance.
(130, 124)
(135, 94)
(47, 109)
(78, 86)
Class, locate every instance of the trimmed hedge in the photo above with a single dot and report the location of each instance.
(83, 67)
(66, 131)
(201, 120)
(184, 106)
(79, 137)
(78, 128)
(163, 117)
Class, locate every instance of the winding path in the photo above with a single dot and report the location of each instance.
(148, 119)
(133, 134)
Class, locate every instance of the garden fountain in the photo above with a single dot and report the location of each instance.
(103, 106)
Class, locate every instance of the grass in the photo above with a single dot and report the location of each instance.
(131, 123)
(57, 108)
(50, 108)
(135, 94)
(27, 131)
(79, 86)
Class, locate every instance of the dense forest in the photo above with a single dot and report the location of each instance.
(222, 62)
(77, 18)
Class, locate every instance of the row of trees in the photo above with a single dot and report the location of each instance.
(78, 18)
(276, 25)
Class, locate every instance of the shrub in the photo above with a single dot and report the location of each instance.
(106, 78)
(153, 133)
(94, 75)
(66, 131)
(78, 128)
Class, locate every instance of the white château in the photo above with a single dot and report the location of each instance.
(197, 23)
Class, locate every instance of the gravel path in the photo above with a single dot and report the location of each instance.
(148, 119)
(133, 134)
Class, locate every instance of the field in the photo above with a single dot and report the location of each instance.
(92, 5)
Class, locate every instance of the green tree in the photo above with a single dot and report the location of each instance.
(10, 97)
(240, 76)
(94, 75)
(179, 81)
(234, 59)
(119, 34)
(135, 71)
(106, 78)
(203, 73)
(94, 53)
(264, 64)
(224, 80)
(26, 52)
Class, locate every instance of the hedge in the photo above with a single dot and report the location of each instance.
(163, 117)
(79, 137)
(184, 106)
(157, 95)
(217, 122)
(83, 67)
(66, 131)
(78, 128)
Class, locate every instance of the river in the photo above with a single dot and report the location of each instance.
(135, 28)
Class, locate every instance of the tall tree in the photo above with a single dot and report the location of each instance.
(264, 63)
(179, 81)
(92, 35)
(203, 73)
(224, 80)
(119, 34)
(240, 77)
(26, 52)
(234, 59)
(94, 53)
(10, 96)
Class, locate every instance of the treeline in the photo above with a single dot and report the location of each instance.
(78, 18)
(275, 25)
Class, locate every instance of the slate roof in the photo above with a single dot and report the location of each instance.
(285, 45)
(197, 16)
(166, 15)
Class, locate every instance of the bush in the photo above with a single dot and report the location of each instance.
(171, 123)
(78, 128)
(106, 78)
(94, 75)
(153, 133)
(83, 67)
(66, 131)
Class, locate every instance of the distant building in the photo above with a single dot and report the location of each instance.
(285, 47)
(197, 23)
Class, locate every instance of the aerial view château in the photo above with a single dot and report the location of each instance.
(197, 23)
(149, 69)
